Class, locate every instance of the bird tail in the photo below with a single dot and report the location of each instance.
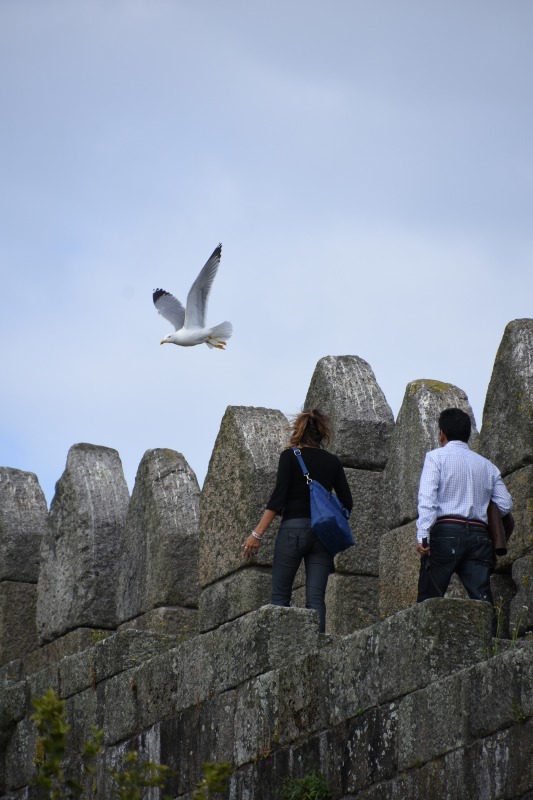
(219, 335)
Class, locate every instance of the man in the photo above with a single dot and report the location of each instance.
(456, 486)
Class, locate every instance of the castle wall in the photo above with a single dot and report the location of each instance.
(395, 701)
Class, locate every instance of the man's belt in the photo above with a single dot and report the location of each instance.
(462, 521)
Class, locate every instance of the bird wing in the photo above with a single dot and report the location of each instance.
(169, 307)
(199, 291)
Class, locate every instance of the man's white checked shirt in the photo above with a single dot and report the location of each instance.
(457, 482)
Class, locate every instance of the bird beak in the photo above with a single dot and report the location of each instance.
(163, 341)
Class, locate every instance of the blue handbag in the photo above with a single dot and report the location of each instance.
(329, 518)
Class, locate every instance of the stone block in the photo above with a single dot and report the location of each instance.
(240, 479)
(303, 698)
(159, 564)
(500, 765)
(11, 672)
(237, 594)
(520, 485)
(20, 770)
(406, 652)
(507, 431)
(146, 695)
(503, 590)
(399, 565)
(148, 747)
(18, 634)
(370, 749)
(12, 707)
(83, 545)
(521, 614)
(173, 620)
(257, 727)
(345, 388)
(50, 654)
(498, 692)
(351, 603)
(23, 519)
(240, 650)
(118, 653)
(201, 734)
(431, 722)
(366, 522)
(415, 433)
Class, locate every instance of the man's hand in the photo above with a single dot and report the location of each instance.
(423, 551)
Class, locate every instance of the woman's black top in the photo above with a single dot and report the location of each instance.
(290, 497)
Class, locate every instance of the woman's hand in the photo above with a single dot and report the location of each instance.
(250, 546)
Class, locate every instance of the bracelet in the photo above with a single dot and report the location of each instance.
(256, 536)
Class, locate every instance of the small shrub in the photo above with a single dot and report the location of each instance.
(52, 730)
(136, 776)
(312, 786)
(216, 779)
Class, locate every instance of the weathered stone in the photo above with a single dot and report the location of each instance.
(172, 620)
(19, 755)
(159, 564)
(503, 685)
(351, 603)
(11, 671)
(399, 565)
(431, 722)
(12, 706)
(73, 642)
(509, 401)
(429, 641)
(303, 698)
(366, 522)
(503, 590)
(415, 433)
(256, 718)
(345, 388)
(198, 735)
(138, 698)
(118, 653)
(237, 651)
(370, 749)
(521, 615)
(18, 635)
(233, 596)
(82, 548)
(520, 485)
(23, 518)
(240, 479)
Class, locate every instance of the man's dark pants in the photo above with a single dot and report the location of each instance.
(461, 548)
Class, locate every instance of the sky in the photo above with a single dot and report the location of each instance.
(366, 165)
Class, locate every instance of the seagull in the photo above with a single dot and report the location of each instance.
(189, 323)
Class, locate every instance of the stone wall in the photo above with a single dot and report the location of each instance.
(141, 614)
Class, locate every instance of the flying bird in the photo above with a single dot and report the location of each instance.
(189, 322)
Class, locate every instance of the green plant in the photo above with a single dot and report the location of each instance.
(518, 712)
(312, 786)
(216, 779)
(97, 635)
(136, 776)
(52, 730)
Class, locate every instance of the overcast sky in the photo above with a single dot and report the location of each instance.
(367, 166)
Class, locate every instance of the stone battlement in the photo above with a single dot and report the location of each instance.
(141, 614)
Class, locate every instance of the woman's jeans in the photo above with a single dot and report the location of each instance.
(466, 550)
(295, 541)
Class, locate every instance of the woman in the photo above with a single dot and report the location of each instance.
(295, 540)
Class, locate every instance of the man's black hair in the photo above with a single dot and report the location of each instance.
(455, 424)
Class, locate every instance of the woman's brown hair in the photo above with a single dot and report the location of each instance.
(310, 429)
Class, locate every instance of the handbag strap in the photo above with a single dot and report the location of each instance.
(301, 462)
